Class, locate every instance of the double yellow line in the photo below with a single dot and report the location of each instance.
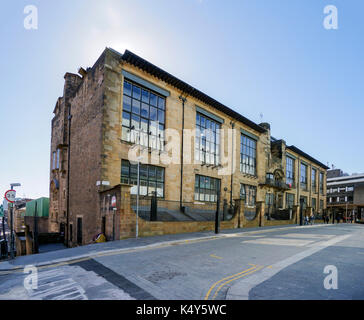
(217, 286)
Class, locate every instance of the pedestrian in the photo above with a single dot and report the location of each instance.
(312, 219)
(327, 219)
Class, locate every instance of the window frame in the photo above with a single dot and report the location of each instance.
(313, 181)
(151, 131)
(205, 138)
(303, 178)
(290, 195)
(199, 191)
(250, 194)
(145, 181)
(248, 154)
(290, 163)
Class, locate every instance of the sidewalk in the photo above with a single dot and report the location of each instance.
(127, 244)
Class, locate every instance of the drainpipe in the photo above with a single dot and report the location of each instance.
(68, 175)
(183, 99)
(232, 166)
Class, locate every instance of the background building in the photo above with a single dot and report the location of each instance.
(123, 101)
(345, 194)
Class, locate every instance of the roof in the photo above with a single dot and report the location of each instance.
(346, 178)
(155, 71)
(354, 180)
(308, 157)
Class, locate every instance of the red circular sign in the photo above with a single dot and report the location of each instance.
(10, 196)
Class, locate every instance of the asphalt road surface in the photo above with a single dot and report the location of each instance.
(281, 263)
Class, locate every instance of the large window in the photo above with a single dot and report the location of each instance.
(248, 155)
(143, 117)
(290, 200)
(290, 171)
(313, 179)
(314, 205)
(207, 144)
(54, 160)
(303, 200)
(321, 182)
(303, 178)
(248, 194)
(206, 188)
(151, 178)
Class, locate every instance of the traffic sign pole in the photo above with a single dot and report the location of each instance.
(10, 197)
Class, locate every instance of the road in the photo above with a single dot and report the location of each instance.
(280, 263)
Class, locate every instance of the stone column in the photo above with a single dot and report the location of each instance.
(296, 213)
(28, 242)
(260, 211)
(241, 217)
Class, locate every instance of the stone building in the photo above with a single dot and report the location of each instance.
(345, 195)
(124, 101)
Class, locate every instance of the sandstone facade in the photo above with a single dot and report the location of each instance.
(96, 150)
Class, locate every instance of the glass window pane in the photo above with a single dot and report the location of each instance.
(153, 128)
(144, 125)
(125, 169)
(160, 174)
(135, 121)
(160, 189)
(126, 119)
(145, 110)
(136, 92)
(153, 114)
(153, 99)
(126, 103)
(136, 106)
(143, 189)
(161, 103)
(145, 96)
(134, 171)
(125, 135)
(161, 116)
(202, 182)
(152, 188)
(143, 172)
(127, 88)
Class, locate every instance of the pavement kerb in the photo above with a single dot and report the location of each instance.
(86, 256)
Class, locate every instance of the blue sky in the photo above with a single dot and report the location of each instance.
(265, 57)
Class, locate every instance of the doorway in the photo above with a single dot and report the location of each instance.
(79, 231)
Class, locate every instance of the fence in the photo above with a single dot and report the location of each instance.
(272, 213)
(156, 209)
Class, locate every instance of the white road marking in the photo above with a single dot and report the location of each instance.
(66, 283)
(280, 242)
(240, 290)
(306, 236)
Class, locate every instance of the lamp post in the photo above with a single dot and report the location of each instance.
(301, 211)
(12, 185)
(138, 192)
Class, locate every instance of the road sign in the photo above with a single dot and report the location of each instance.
(113, 202)
(10, 196)
(1, 211)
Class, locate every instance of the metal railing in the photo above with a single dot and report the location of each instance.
(158, 209)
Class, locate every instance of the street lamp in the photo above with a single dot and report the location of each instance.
(12, 185)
